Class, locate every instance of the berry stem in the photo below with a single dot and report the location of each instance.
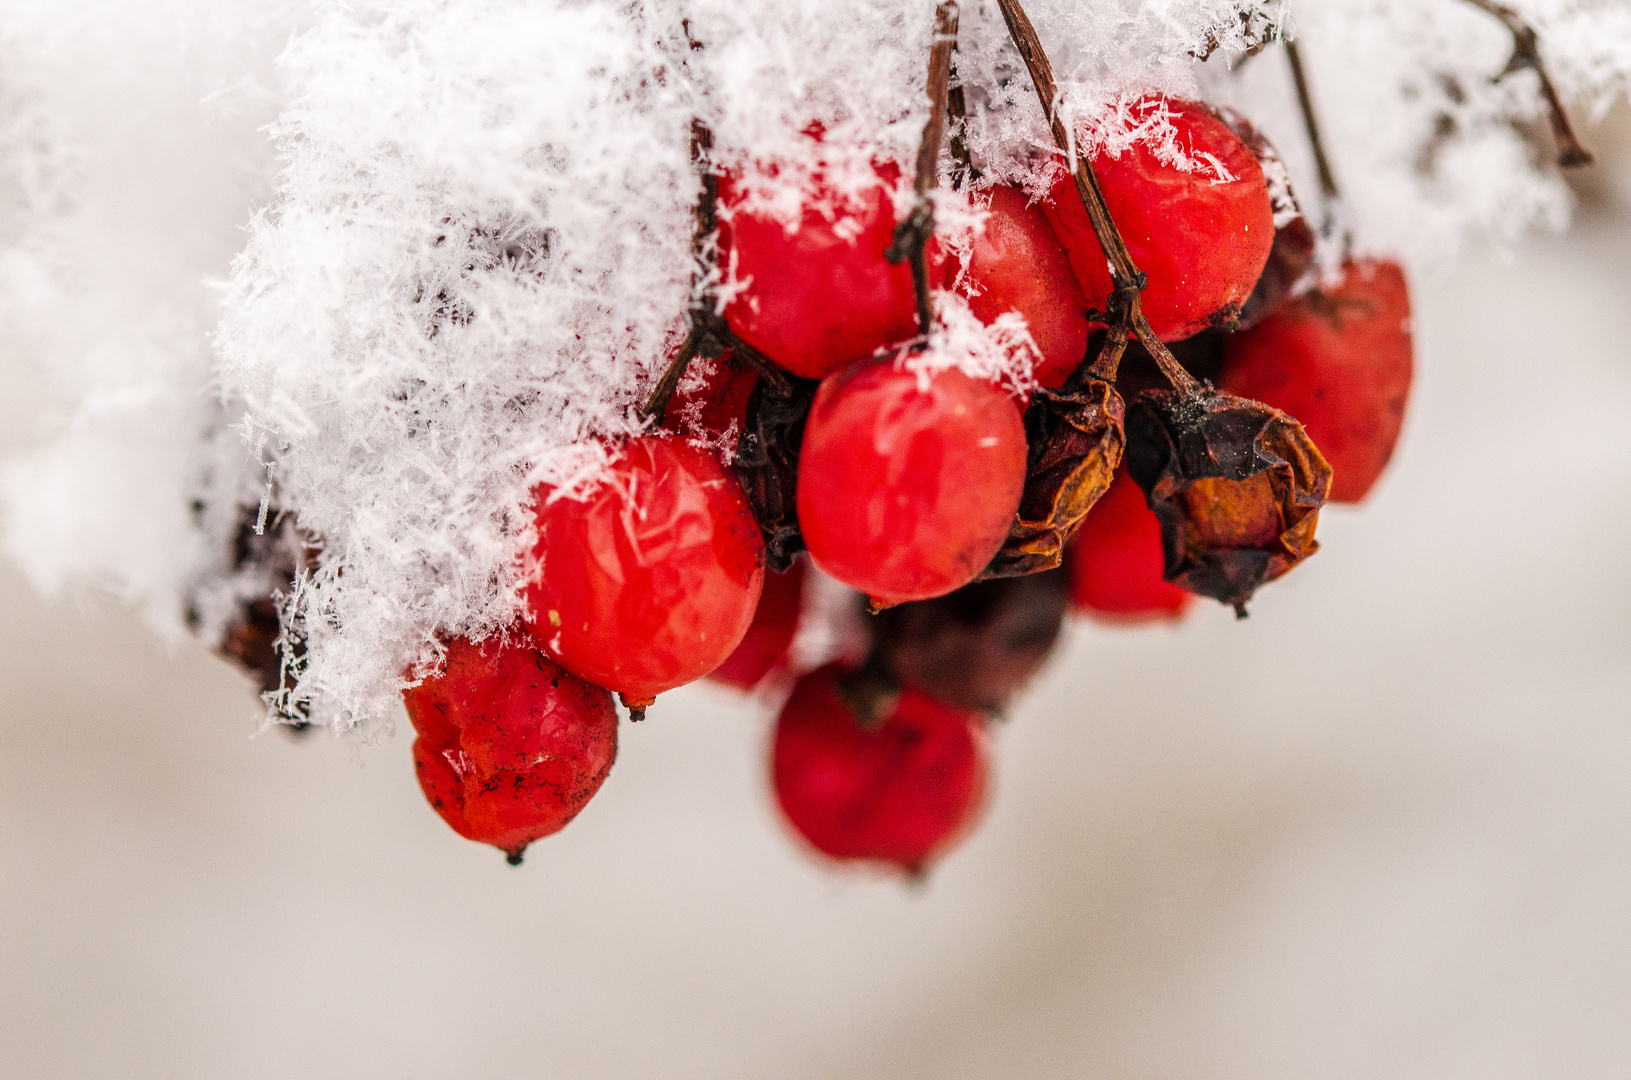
(1305, 102)
(1526, 54)
(1124, 273)
(913, 234)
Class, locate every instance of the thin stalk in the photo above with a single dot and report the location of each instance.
(912, 235)
(1125, 275)
(1526, 54)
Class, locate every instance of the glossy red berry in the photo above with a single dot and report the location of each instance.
(1202, 237)
(818, 291)
(710, 405)
(907, 485)
(510, 746)
(1339, 360)
(1018, 264)
(901, 792)
(652, 580)
(1116, 562)
(776, 621)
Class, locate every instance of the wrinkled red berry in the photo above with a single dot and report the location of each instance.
(510, 746)
(818, 292)
(907, 486)
(901, 792)
(1201, 237)
(1339, 360)
(1018, 264)
(652, 580)
(1116, 563)
(771, 634)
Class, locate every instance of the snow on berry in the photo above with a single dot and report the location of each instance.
(473, 250)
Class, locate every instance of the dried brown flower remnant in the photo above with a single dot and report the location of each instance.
(1075, 438)
(1236, 484)
(972, 649)
(267, 564)
(767, 460)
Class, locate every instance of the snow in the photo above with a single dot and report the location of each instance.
(460, 253)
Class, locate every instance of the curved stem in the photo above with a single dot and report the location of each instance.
(1124, 273)
(1526, 54)
(912, 235)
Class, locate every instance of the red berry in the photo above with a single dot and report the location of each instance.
(510, 747)
(901, 792)
(652, 580)
(711, 403)
(1116, 563)
(1339, 360)
(1202, 240)
(1018, 264)
(771, 634)
(906, 488)
(819, 292)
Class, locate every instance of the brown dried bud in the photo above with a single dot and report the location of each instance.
(767, 461)
(1236, 484)
(973, 649)
(1075, 439)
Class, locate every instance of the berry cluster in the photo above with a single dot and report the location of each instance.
(1193, 391)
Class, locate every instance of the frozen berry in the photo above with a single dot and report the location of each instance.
(900, 792)
(816, 291)
(771, 634)
(907, 483)
(651, 581)
(510, 747)
(710, 404)
(1339, 360)
(1018, 264)
(1115, 562)
(1192, 206)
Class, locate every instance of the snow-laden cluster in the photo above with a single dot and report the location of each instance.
(472, 254)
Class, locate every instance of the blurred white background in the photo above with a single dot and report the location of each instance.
(1383, 828)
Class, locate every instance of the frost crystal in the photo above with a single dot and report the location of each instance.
(472, 254)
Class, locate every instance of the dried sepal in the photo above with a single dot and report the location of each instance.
(1236, 484)
(1075, 438)
(767, 459)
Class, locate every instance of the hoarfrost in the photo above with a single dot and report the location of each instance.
(472, 250)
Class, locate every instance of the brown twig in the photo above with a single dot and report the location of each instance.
(1305, 102)
(912, 235)
(1526, 54)
(1125, 275)
(962, 164)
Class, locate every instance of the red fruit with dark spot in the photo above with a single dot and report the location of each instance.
(1018, 264)
(819, 292)
(1339, 360)
(652, 580)
(901, 792)
(907, 487)
(1202, 237)
(1116, 563)
(510, 746)
(770, 636)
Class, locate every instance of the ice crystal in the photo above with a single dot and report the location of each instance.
(471, 252)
